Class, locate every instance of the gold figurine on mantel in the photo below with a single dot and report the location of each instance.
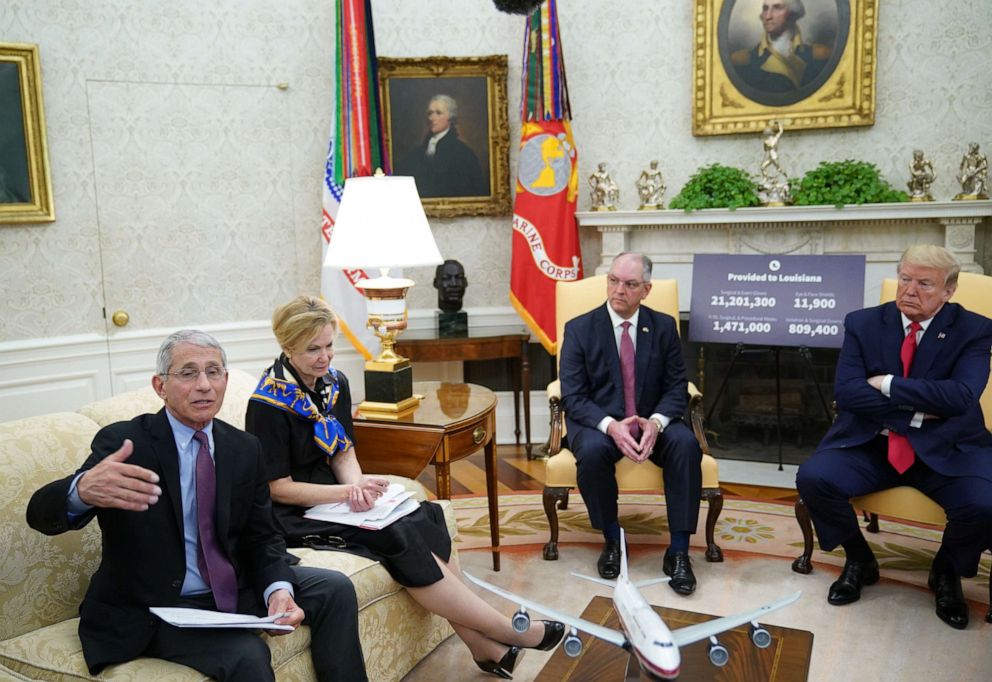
(774, 189)
(605, 193)
(921, 176)
(650, 188)
(974, 175)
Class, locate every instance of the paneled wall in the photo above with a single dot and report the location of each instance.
(186, 177)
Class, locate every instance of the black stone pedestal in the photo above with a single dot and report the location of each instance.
(388, 387)
(452, 325)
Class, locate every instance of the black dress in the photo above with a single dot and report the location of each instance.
(404, 547)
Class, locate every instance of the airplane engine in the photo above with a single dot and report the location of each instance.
(718, 653)
(520, 620)
(572, 644)
(760, 637)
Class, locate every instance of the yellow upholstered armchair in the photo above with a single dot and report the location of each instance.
(974, 292)
(573, 299)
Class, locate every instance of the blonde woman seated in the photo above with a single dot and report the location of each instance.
(301, 411)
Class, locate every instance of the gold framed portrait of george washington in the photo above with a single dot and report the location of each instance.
(25, 182)
(806, 63)
(445, 122)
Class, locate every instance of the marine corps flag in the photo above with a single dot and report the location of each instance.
(355, 149)
(545, 235)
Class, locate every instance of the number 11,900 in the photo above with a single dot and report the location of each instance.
(814, 303)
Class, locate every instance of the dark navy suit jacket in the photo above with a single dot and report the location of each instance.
(143, 562)
(591, 383)
(949, 373)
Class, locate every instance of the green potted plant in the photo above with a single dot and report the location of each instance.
(717, 186)
(845, 182)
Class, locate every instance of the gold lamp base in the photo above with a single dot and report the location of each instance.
(388, 376)
(389, 411)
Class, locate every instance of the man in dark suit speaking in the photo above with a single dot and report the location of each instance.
(907, 387)
(623, 388)
(183, 505)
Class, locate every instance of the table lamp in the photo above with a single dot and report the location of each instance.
(381, 224)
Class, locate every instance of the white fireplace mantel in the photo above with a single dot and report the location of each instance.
(879, 231)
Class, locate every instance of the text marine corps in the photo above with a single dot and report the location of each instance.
(541, 258)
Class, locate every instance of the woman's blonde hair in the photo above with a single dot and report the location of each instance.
(295, 323)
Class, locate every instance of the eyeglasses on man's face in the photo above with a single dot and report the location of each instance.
(629, 285)
(188, 375)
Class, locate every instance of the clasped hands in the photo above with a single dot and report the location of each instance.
(619, 431)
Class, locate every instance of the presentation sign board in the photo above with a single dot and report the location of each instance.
(774, 300)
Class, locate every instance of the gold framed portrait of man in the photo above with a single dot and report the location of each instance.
(445, 121)
(25, 181)
(806, 63)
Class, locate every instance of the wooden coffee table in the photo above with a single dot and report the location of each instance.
(786, 660)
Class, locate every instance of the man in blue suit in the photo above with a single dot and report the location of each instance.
(623, 388)
(922, 427)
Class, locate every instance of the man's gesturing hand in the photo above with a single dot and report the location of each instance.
(114, 484)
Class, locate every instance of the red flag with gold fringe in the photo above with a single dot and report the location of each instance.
(545, 234)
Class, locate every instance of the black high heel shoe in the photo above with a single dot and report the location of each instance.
(554, 630)
(504, 666)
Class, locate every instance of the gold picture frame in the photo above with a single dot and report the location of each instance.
(25, 182)
(474, 178)
(739, 85)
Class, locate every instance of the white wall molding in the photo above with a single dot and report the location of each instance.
(44, 375)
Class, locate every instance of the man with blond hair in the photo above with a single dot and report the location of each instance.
(907, 388)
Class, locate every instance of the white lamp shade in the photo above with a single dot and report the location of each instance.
(381, 224)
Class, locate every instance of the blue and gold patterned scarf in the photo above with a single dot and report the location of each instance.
(279, 389)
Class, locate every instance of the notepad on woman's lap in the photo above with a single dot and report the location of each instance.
(396, 503)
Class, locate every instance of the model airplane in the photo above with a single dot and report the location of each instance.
(645, 634)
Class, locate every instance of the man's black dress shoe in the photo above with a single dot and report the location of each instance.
(504, 666)
(679, 567)
(609, 560)
(856, 574)
(951, 606)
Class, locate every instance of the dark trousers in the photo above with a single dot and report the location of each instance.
(828, 479)
(328, 600)
(676, 451)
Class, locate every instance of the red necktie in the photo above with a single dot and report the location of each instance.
(627, 371)
(901, 454)
(215, 568)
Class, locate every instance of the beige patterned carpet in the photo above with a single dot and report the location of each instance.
(904, 552)
(891, 634)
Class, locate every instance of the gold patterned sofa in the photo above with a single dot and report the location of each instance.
(42, 579)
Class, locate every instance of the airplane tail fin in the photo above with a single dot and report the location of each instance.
(623, 557)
